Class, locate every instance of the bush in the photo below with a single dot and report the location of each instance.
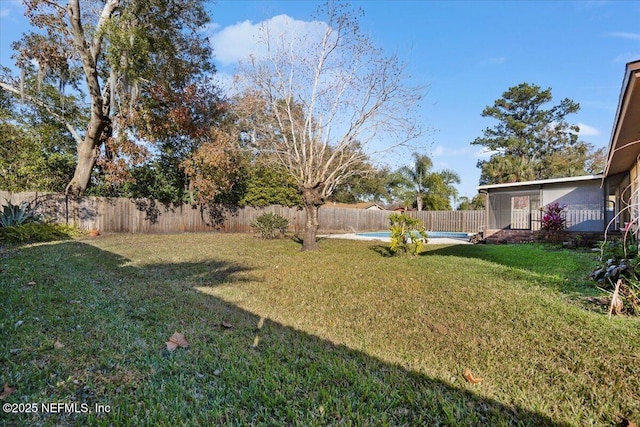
(554, 221)
(408, 236)
(13, 215)
(37, 232)
(620, 261)
(618, 249)
(270, 226)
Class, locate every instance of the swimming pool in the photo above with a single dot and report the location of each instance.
(430, 234)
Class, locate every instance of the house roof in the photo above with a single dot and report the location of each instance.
(624, 146)
(541, 182)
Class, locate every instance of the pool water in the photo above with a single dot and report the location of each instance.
(430, 234)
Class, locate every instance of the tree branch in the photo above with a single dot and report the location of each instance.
(88, 63)
(96, 44)
(55, 4)
(36, 101)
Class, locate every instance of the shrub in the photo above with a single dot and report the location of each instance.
(13, 215)
(619, 261)
(618, 249)
(408, 236)
(270, 226)
(554, 221)
(37, 232)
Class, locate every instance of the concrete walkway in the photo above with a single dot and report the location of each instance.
(432, 240)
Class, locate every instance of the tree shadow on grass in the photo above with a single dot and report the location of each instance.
(238, 368)
(299, 238)
(383, 250)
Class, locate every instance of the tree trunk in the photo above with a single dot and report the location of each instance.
(88, 152)
(309, 239)
(89, 148)
(419, 201)
(87, 156)
(312, 200)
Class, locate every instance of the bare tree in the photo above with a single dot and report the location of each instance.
(322, 103)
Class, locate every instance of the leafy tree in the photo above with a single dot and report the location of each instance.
(499, 169)
(528, 138)
(596, 160)
(581, 159)
(136, 62)
(399, 188)
(215, 168)
(568, 162)
(441, 190)
(270, 184)
(369, 187)
(476, 203)
(464, 204)
(154, 180)
(163, 177)
(316, 108)
(36, 153)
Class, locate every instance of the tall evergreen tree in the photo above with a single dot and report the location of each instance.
(528, 138)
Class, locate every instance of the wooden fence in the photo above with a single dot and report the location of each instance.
(120, 215)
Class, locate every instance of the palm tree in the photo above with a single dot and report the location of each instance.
(441, 190)
(420, 184)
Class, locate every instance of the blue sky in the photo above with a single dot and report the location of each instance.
(468, 53)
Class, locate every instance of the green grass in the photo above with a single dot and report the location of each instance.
(345, 336)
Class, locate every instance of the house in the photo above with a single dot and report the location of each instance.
(595, 203)
(514, 210)
(622, 171)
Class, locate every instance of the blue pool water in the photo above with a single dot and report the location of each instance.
(434, 234)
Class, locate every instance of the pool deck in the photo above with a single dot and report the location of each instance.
(431, 241)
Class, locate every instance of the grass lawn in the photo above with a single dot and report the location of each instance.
(344, 336)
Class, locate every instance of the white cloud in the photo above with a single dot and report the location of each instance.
(237, 42)
(442, 151)
(211, 27)
(586, 130)
(484, 154)
(628, 36)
